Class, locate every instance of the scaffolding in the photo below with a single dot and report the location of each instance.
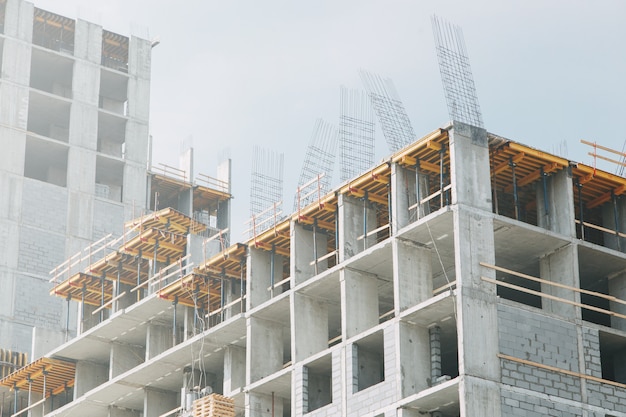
(356, 130)
(456, 73)
(391, 113)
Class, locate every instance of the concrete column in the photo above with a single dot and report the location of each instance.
(559, 217)
(234, 369)
(617, 288)
(124, 358)
(126, 300)
(158, 402)
(302, 252)
(561, 267)
(413, 368)
(609, 210)
(477, 318)
(264, 355)
(89, 320)
(158, 340)
(402, 189)
(89, 375)
(260, 267)
(359, 310)
(18, 21)
(351, 226)
(262, 405)
(412, 272)
(309, 326)
(469, 166)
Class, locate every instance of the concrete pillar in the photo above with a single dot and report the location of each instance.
(359, 311)
(89, 320)
(477, 318)
(561, 267)
(413, 368)
(260, 268)
(158, 402)
(122, 412)
(263, 405)
(302, 252)
(401, 192)
(352, 224)
(89, 375)
(559, 217)
(609, 211)
(124, 358)
(412, 272)
(125, 301)
(234, 369)
(617, 288)
(158, 340)
(264, 354)
(45, 340)
(469, 166)
(309, 326)
(18, 21)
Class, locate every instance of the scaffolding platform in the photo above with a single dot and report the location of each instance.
(45, 374)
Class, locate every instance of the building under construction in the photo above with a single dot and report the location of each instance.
(465, 275)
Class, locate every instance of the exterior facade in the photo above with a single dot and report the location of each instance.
(468, 275)
(74, 105)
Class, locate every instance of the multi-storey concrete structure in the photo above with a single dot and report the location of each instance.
(74, 104)
(466, 275)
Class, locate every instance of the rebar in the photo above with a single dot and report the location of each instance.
(456, 73)
(356, 130)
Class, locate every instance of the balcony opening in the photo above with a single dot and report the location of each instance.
(49, 117)
(317, 384)
(113, 92)
(111, 135)
(613, 357)
(114, 51)
(368, 362)
(109, 178)
(53, 31)
(46, 161)
(51, 73)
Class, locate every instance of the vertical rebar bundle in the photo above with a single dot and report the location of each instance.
(266, 189)
(392, 116)
(356, 130)
(319, 160)
(456, 73)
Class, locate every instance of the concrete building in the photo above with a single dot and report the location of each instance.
(74, 105)
(466, 275)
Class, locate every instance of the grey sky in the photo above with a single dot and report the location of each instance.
(237, 73)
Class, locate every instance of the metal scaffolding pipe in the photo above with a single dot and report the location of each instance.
(616, 216)
(580, 209)
(515, 196)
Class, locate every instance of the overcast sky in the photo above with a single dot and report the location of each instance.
(232, 74)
